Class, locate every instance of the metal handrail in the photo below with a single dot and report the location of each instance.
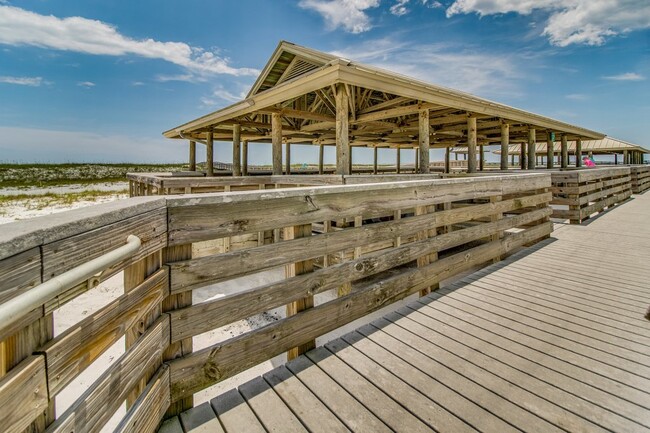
(15, 308)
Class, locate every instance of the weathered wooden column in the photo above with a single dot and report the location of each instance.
(287, 156)
(565, 152)
(448, 159)
(505, 144)
(342, 131)
(416, 163)
(209, 154)
(615, 158)
(532, 148)
(512, 160)
(481, 158)
(276, 142)
(523, 161)
(578, 152)
(374, 162)
(471, 144)
(244, 166)
(321, 154)
(424, 126)
(399, 159)
(549, 150)
(626, 159)
(236, 150)
(192, 155)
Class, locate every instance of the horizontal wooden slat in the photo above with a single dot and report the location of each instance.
(63, 255)
(96, 406)
(73, 351)
(19, 273)
(23, 394)
(205, 316)
(197, 218)
(147, 411)
(210, 365)
(200, 272)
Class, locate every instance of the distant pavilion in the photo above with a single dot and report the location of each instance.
(304, 96)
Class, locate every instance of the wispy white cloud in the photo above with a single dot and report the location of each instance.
(587, 22)
(628, 76)
(86, 84)
(189, 78)
(432, 4)
(21, 27)
(576, 96)
(221, 96)
(23, 81)
(483, 72)
(137, 83)
(399, 8)
(349, 14)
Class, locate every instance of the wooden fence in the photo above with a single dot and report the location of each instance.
(371, 244)
(640, 178)
(588, 191)
(141, 184)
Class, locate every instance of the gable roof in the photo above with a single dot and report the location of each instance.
(383, 106)
(604, 146)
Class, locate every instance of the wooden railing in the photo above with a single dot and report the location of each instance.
(588, 191)
(640, 175)
(141, 184)
(367, 245)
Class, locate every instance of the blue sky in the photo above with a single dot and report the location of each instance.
(100, 80)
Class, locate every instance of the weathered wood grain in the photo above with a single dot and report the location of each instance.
(99, 402)
(65, 254)
(23, 394)
(200, 272)
(209, 315)
(210, 365)
(72, 352)
(19, 273)
(198, 218)
(146, 412)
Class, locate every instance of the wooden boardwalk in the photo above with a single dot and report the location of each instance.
(550, 339)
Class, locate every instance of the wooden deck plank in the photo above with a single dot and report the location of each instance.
(200, 419)
(576, 396)
(377, 368)
(234, 414)
(613, 348)
(617, 381)
(352, 413)
(303, 403)
(274, 415)
(483, 287)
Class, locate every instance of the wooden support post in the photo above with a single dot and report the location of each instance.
(493, 218)
(244, 165)
(416, 160)
(399, 160)
(424, 127)
(374, 162)
(427, 259)
(626, 159)
(532, 148)
(209, 155)
(512, 160)
(481, 158)
(351, 158)
(287, 156)
(236, 150)
(616, 159)
(192, 156)
(346, 288)
(549, 151)
(578, 152)
(564, 163)
(523, 161)
(276, 143)
(175, 302)
(471, 144)
(342, 131)
(321, 154)
(292, 270)
(447, 159)
(505, 145)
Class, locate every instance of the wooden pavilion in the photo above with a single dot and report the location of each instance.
(630, 153)
(304, 96)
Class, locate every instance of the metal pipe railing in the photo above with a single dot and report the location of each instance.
(13, 309)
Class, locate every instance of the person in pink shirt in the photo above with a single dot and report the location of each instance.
(588, 162)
